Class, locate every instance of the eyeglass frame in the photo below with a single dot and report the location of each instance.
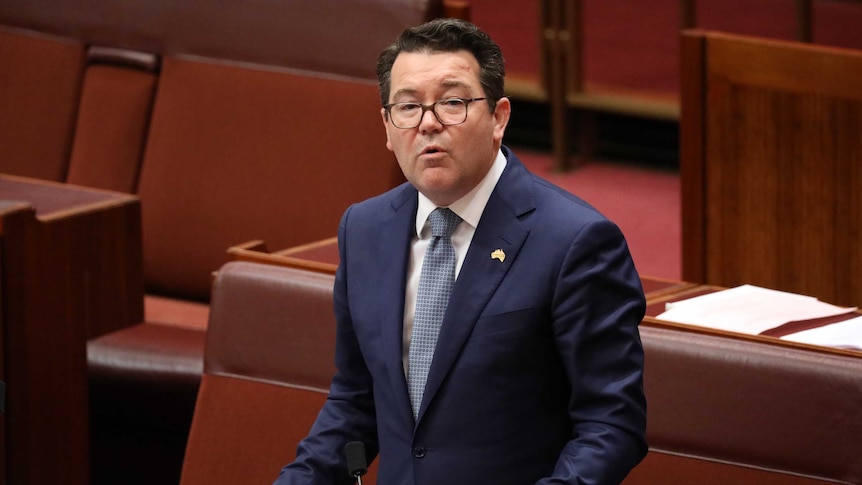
(433, 109)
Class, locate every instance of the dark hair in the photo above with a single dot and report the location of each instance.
(447, 35)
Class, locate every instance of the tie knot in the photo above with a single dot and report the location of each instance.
(443, 222)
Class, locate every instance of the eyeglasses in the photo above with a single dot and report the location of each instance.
(449, 111)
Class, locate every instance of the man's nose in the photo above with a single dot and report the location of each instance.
(429, 121)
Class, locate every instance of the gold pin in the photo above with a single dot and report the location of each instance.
(498, 254)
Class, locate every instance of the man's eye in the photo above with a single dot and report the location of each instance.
(406, 107)
(451, 102)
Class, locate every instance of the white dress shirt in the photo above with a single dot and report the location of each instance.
(469, 208)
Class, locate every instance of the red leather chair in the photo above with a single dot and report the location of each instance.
(268, 361)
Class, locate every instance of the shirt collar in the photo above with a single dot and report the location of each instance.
(470, 207)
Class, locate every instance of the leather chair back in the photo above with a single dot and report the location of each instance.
(269, 360)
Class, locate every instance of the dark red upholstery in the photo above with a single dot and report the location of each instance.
(113, 119)
(143, 384)
(242, 152)
(235, 152)
(140, 408)
(285, 315)
(244, 430)
(269, 360)
(39, 84)
(728, 410)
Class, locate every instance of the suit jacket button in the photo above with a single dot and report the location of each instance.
(418, 451)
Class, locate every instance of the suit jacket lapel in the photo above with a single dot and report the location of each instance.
(480, 275)
(393, 252)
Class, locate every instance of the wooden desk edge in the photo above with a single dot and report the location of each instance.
(112, 199)
(241, 253)
(254, 251)
(774, 341)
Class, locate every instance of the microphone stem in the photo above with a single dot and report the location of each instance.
(358, 479)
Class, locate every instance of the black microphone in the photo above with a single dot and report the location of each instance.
(356, 464)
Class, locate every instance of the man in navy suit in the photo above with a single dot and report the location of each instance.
(536, 375)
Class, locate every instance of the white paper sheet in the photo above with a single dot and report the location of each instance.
(748, 309)
(846, 334)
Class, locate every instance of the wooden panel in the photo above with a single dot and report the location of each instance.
(784, 66)
(71, 269)
(781, 166)
(691, 156)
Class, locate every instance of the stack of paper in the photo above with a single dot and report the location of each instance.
(753, 310)
(846, 334)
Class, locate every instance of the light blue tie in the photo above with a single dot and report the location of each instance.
(435, 286)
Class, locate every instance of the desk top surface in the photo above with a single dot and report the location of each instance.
(50, 198)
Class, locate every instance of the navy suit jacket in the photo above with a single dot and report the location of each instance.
(537, 374)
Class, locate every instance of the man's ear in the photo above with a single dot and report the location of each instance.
(386, 127)
(502, 112)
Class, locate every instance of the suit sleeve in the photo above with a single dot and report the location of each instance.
(348, 414)
(598, 305)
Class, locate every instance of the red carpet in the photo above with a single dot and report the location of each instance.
(643, 201)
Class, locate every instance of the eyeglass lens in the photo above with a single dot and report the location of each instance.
(448, 112)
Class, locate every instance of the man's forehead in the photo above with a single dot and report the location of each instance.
(446, 69)
(442, 83)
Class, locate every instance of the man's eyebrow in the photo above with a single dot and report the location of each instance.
(446, 83)
(403, 91)
(454, 83)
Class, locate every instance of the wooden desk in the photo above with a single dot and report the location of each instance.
(656, 307)
(70, 269)
(323, 256)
